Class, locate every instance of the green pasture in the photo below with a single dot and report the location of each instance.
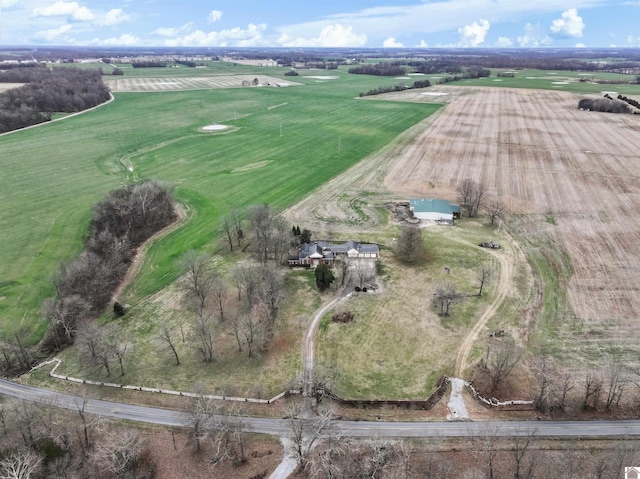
(53, 174)
(554, 80)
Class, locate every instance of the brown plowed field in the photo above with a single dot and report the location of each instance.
(545, 158)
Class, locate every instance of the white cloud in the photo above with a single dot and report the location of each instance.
(569, 25)
(474, 34)
(9, 3)
(335, 35)
(504, 42)
(392, 43)
(126, 40)
(580, 45)
(214, 16)
(113, 17)
(53, 34)
(533, 37)
(253, 35)
(73, 10)
(422, 44)
(173, 31)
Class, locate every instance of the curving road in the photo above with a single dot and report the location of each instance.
(280, 427)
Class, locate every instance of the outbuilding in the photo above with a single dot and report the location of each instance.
(434, 210)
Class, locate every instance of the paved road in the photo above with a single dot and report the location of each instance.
(278, 427)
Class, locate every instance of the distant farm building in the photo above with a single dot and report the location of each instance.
(312, 254)
(434, 210)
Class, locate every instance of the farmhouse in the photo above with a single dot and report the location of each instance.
(312, 254)
(434, 210)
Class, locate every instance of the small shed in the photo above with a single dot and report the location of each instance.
(434, 210)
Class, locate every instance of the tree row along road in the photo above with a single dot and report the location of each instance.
(280, 427)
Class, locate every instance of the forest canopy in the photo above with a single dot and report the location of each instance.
(67, 90)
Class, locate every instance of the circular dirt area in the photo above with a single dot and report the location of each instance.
(214, 127)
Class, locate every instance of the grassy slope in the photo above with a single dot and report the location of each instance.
(54, 173)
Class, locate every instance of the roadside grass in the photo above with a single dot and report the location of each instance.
(56, 172)
(397, 347)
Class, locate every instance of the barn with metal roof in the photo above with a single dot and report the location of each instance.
(434, 210)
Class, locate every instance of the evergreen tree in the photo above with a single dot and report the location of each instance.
(324, 277)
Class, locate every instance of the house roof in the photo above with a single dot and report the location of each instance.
(427, 205)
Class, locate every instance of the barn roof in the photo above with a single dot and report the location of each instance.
(426, 205)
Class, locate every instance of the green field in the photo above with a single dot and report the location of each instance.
(555, 80)
(53, 174)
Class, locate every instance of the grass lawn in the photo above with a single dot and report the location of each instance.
(56, 172)
(397, 347)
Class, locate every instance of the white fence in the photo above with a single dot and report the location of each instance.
(58, 362)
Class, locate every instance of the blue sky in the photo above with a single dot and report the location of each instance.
(322, 23)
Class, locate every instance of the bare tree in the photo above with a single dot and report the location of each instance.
(465, 191)
(344, 265)
(22, 464)
(495, 210)
(119, 453)
(445, 295)
(567, 386)
(166, 338)
(472, 196)
(64, 315)
(592, 390)
(203, 336)
(236, 217)
(219, 294)
(199, 278)
(228, 231)
(485, 447)
(544, 372)
(227, 436)
(246, 278)
(280, 240)
(261, 220)
(270, 294)
(616, 382)
(199, 415)
(503, 355)
(525, 464)
(410, 244)
(252, 329)
(305, 433)
(484, 275)
(235, 324)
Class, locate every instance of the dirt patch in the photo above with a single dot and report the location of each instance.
(177, 460)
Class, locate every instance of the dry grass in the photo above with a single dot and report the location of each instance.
(398, 346)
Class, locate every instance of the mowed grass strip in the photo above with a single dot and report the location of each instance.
(52, 175)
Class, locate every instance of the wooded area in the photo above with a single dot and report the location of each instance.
(47, 91)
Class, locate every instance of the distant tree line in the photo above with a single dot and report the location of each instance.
(186, 63)
(378, 69)
(85, 284)
(401, 87)
(58, 90)
(149, 64)
(607, 105)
